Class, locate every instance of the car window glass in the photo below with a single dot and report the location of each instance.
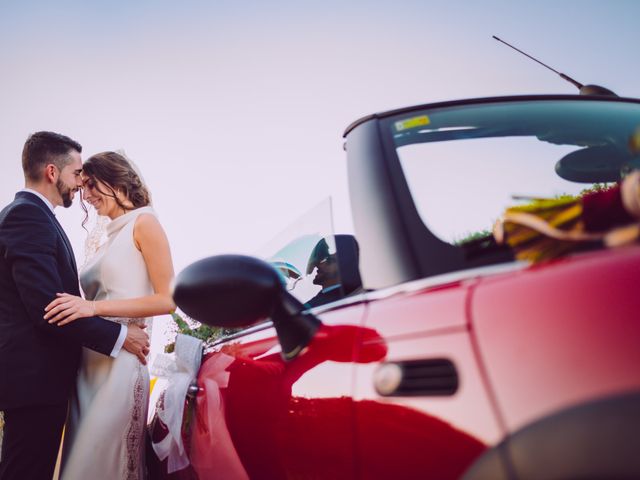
(464, 166)
(317, 266)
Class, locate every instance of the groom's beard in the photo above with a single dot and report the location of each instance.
(65, 193)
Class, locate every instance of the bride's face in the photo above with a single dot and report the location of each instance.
(99, 195)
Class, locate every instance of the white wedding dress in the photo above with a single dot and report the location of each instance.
(105, 432)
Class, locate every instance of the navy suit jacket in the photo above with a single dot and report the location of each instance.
(39, 361)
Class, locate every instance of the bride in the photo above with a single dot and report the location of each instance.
(127, 280)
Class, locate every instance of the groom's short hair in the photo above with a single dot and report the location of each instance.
(42, 148)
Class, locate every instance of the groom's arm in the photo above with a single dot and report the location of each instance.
(31, 251)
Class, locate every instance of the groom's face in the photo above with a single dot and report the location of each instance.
(69, 180)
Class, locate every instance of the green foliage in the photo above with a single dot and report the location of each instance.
(596, 187)
(473, 236)
(195, 329)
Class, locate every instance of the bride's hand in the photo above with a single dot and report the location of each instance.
(67, 308)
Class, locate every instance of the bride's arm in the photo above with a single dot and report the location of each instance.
(151, 240)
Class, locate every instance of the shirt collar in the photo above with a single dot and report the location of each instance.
(46, 201)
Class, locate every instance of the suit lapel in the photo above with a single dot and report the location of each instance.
(37, 201)
(67, 244)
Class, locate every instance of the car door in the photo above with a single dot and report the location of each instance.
(437, 418)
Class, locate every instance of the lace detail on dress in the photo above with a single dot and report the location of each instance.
(135, 433)
(95, 238)
(126, 320)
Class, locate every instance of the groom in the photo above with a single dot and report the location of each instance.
(39, 361)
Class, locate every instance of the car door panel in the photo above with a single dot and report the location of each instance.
(423, 435)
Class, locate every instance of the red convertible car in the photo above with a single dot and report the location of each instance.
(422, 346)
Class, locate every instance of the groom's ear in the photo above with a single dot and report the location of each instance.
(51, 173)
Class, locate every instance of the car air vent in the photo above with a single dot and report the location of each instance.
(431, 377)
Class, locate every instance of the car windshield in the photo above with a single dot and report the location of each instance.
(317, 266)
(465, 165)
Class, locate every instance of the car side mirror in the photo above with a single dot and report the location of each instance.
(233, 291)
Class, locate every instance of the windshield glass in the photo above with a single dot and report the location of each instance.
(465, 165)
(317, 266)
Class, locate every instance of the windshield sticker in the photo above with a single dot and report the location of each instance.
(413, 122)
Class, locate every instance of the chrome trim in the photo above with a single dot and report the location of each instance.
(343, 302)
(193, 390)
(387, 378)
(445, 278)
(242, 333)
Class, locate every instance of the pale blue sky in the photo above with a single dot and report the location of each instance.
(234, 110)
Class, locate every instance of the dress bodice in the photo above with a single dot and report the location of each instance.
(118, 269)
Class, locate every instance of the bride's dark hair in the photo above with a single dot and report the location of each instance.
(116, 173)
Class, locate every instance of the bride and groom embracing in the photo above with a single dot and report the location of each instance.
(68, 359)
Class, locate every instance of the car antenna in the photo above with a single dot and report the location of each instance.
(584, 89)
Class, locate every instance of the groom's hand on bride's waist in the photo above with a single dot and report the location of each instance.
(137, 342)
